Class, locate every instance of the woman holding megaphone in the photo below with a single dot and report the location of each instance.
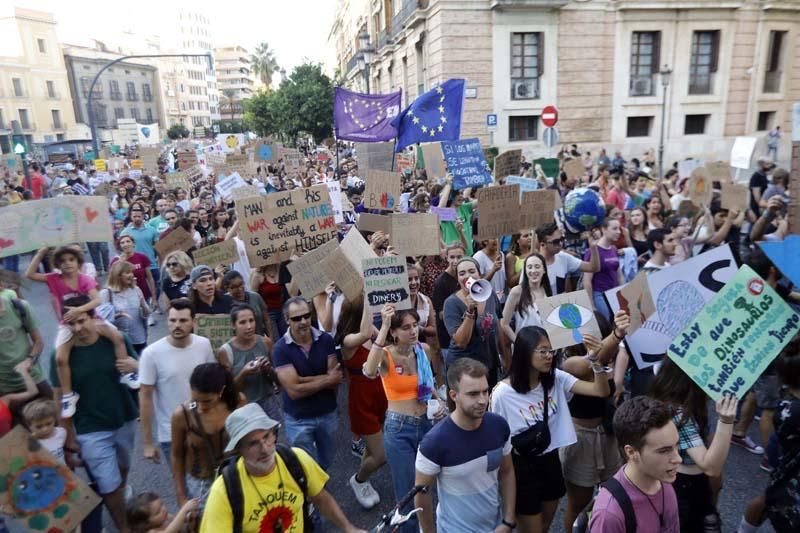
(471, 316)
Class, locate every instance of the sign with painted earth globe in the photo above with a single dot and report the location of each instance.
(583, 210)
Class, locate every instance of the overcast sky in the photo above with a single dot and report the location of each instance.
(295, 29)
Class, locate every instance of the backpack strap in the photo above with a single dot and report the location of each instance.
(617, 491)
(22, 313)
(297, 472)
(233, 488)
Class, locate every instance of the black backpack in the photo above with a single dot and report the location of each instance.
(618, 493)
(22, 313)
(233, 485)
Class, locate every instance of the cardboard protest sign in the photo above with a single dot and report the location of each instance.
(699, 187)
(186, 159)
(635, 299)
(732, 340)
(235, 163)
(434, 160)
(292, 159)
(265, 152)
(537, 208)
(225, 185)
(308, 271)
(445, 214)
(222, 253)
(382, 190)
(386, 282)
(525, 184)
(498, 211)
(403, 162)
(193, 173)
(344, 264)
(39, 491)
(679, 293)
(567, 318)
(335, 194)
(276, 226)
(742, 152)
(215, 328)
(507, 164)
(137, 164)
(719, 171)
(734, 196)
(466, 163)
(177, 180)
(217, 160)
(573, 168)
(373, 222)
(374, 156)
(415, 233)
(177, 239)
(244, 191)
(784, 255)
(34, 224)
(149, 156)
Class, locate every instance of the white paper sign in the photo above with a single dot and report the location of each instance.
(335, 192)
(742, 152)
(228, 183)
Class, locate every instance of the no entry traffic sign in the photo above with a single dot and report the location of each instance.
(550, 116)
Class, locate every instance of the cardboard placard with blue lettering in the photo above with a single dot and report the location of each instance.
(466, 163)
(386, 282)
(728, 345)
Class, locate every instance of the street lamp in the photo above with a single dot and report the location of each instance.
(666, 74)
(90, 110)
(365, 55)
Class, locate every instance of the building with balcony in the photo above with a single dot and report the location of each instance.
(235, 80)
(198, 87)
(126, 90)
(34, 87)
(730, 64)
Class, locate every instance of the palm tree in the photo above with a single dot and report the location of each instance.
(264, 63)
(229, 101)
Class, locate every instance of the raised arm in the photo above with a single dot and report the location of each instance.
(31, 272)
(376, 356)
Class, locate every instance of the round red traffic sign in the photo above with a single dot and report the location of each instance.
(549, 116)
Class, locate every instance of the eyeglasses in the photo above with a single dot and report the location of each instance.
(543, 352)
(559, 242)
(300, 318)
(170, 265)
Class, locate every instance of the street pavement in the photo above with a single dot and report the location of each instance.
(743, 480)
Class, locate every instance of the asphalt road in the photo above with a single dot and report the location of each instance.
(743, 479)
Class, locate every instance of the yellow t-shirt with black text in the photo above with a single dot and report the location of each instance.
(279, 505)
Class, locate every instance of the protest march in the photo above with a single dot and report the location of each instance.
(569, 343)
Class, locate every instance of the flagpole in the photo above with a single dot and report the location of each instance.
(394, 153)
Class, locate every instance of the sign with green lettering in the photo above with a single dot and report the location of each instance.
(730, 342)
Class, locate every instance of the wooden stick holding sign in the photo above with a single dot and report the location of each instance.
(386, 282)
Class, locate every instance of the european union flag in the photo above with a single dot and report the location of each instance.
(433, 116)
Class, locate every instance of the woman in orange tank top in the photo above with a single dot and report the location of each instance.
(405, 370)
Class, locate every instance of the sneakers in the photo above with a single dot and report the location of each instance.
(69, 402)
(747, 443)
(365, 493)
(131, 379)
(765, 466)
(357, 448)
(151, 320)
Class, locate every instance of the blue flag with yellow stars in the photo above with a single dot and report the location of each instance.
(433, 116)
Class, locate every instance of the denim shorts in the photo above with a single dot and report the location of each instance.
(106, 453)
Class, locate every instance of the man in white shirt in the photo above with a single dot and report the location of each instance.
(560, 264)
(164, 369)
(661, 243)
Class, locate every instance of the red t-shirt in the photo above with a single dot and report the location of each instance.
(140, 264)
(37, 186)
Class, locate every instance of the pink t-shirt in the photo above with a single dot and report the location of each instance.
(60, 291)
(607, 515)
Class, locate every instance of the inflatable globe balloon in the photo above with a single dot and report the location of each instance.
(583, 209)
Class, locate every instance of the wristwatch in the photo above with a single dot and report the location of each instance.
(510, 525)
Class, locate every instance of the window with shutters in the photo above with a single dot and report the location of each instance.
(527, 64)
(703, 63)
(645, 57)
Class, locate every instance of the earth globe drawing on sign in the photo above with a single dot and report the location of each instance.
(583, 210)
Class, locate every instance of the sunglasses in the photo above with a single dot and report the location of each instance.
(556, 241)
(299, 318)
(173, 264)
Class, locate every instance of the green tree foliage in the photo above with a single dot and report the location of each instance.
(178, 131)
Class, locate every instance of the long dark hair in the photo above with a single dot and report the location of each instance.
(349, 319)
(674, 387)
(519, 372)
(213, 378)
(397, 321)
(525, 298)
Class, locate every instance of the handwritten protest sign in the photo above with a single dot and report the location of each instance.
(415, 233)
(228, 183)
(573, 168)
(222, 253)
(34, 224)
(308, 271)
(699, 187)
(679, 293)
(507, 163)
(635, 299)
(215, 328)
(215, 160)
(730, 342)
(404, 162)
(536, 208)
(236, 163)
(344, 264)
(176, 180)
(386, 282)
(276, 226)
(186, 159)
(374, 156)
(39, 491)
(373, 222)
(498, 211)
(193, 173)
(445, 214)
(567, 318)
(335, 193)
(244, 191)
(434, 160)
(177, 239)
(382, 190)
(466, 163)
(149, 156)
(734, 196)
(719, 171)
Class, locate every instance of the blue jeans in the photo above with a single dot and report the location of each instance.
(156, 279)
(601, 306)
(401, 437)
(315, 435)
(99, 254)
(278, 323)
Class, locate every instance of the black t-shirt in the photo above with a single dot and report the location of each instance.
(176, 289)
(221, 305)
(443, 287)
(757, 181)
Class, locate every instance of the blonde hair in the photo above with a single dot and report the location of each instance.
(115, 281)
(182, 258)
(39, 410)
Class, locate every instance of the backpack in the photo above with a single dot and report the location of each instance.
(617, 491)
(22, 313)
(233, 485)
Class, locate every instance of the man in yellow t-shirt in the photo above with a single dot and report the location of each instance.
(272, 498)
